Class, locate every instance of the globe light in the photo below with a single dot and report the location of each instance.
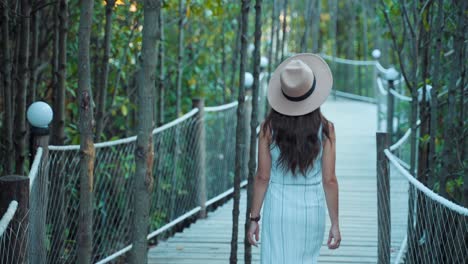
(391, 74)
(376, 54)
(39, 114)
(250, 48)
(263, 62)
(208, 13)
(248, 80)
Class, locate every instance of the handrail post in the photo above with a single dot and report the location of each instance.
(201, 154)
(39, 198)
(390, 111)
(40, 115)
(383, 200)
(14, 249)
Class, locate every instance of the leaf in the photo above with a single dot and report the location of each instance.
(124, 110)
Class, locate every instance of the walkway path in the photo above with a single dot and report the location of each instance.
(208, 241)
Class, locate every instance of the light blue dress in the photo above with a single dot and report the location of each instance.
(293, 215)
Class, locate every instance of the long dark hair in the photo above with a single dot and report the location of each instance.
(297, 138)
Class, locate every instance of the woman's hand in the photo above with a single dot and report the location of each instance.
(334, 237)
(253, 230)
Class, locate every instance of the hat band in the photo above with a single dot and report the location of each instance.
(302, 97)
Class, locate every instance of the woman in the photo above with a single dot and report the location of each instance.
(296, 166)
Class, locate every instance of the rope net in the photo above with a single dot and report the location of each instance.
(424, 227)
(175, 195)
(220, 127)
(352, 77)
(13, 236)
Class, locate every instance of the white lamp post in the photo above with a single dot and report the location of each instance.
(263, 62)
(390, 75)
(248, 80)
(40, 115)
(376, 54)
(250, 48)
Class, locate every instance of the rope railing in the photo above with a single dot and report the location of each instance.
(420, 226)
(424, 226)
(7, 216)
(13, 236)
(358, 78)
(175, 173)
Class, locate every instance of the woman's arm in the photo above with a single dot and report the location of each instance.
(330, 185)
(262, 177)
(260, 184)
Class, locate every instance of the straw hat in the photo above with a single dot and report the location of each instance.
(300, 84)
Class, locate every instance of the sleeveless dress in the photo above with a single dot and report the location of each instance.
(293, 215)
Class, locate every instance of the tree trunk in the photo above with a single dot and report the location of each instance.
(23, 78)
(162, 79)
(240, 130)
(34, 56)
(317, 9)
(436, 85)
(365, 41)
(143, 181)
(8, 102)
(253, 126)
(87, 152)
(272, 34)
(59, 102)
(223, 60)
(285, 24)
(333, 6)
(235, 57)
(307, 19)
(104, 73)
(180, 57)
(451, 140)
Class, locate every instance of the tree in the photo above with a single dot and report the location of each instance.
(285, 25)
(87, 152)
(316, 25)
(144, 154)
(7, 92)
(104, 72)
(180, 57)
(58, 124)
(22, 87)
(253, 127)
(240, 130)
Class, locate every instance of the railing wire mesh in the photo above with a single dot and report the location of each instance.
(173, 198)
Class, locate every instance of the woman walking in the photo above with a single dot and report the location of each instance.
(296, 166)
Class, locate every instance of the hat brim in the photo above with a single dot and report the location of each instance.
(324, 83)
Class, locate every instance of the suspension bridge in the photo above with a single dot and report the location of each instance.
(381, 201)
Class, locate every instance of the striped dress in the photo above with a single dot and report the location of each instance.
(293, 214)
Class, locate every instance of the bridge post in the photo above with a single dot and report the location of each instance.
(40, 115)
(14, 248)
(390, 110)
(383, 200)
(201, 154)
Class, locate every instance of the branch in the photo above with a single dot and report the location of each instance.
(395, 45)
(406, 17)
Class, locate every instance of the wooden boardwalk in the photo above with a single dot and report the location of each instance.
(208, 241)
